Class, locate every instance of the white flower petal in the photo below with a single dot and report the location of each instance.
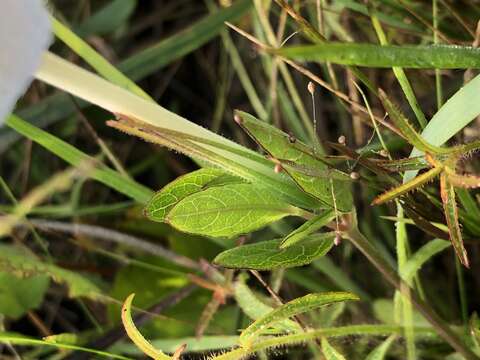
(24, 35)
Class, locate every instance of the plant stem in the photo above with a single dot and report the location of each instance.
(362, 244)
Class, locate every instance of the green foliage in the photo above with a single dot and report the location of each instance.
(17, 295)
(386, 56)
(191, 183)
(295, 307)
(381, 350)
(330, 352)
(228, 210)
(21, 263)
(308, 228)
(312, 173)
(267, 255)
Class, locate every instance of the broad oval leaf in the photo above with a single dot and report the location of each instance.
(268, 255)
(311, 173)
(228, 210)
(164, 200)
(308, 228)
(386, 56)
(297, 306)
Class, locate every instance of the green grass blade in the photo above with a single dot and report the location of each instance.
(95, 60)
(421, 256)
(377, 56)
(75, 157)
(295, 307)
(14, 339)
(330, 352)
(183, 42)
(381, 350)
(308, 228)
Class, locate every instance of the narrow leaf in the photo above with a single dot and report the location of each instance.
(386, 56)
(381, 350)
(228, 210)
(254, 308)
(267, 255)
(407, 129)
(308, 228)
(135, 335)
(330, 352)
(421, 256)
(408, 186)
(447, 192)
(299, 160)
(292, 308)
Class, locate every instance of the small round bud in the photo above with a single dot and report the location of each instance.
(354, 175)
(291, 138)
(383, 153)
(237, 119)
(338, 239)
(278, 168)
(342, 139)
(311, 87)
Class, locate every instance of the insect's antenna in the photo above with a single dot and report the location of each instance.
(337, 225)
(311, 90)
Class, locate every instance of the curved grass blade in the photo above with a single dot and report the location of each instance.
(386, 56)
(135, 335)
(447, 192)
(381, 350)
(254, 308)
(421, 256)
(408, 186)
(164, 200)
(330, 352)
(292, 308)
(308, 228)
(283, 147)
(14, 339)
(267, 255)
(229, 210)
(411, 135)
(75, 157)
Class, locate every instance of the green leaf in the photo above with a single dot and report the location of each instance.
(381, 350)
(267, 255)
(21, 263)
(108, 19)
(412, 136)
(299, 161)
(228, 210)
(196, 181)
(330, 352)
(18, 295)
(15, 339)
(447, 193)
(421, 256)
(308, 228)
(386, 56)
(254, 308)
(295, 307)
(453, 116)
(75, 157)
